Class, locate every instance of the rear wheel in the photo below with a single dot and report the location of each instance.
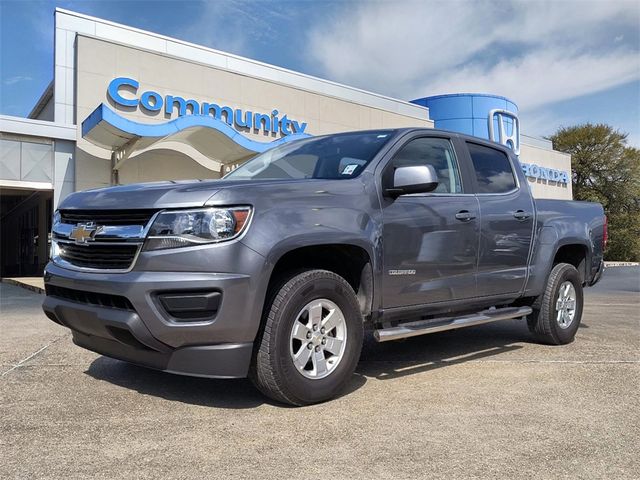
(558, 311)
(311, 341)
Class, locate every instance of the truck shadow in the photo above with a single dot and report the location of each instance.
(385, 361)
(234, 394)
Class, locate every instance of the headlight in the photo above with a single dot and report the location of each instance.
(183, 228)
(54, 250)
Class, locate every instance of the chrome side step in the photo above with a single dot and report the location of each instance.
(422, 327)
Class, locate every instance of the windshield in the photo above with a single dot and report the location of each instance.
(332, 157)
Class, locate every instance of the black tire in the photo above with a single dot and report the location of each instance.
(543, 322)
(273, 371)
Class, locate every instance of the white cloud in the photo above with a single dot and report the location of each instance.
(234, 25)
(543, 122)
(542, 77)
(535, 52)
(17, 79)
(219, 25)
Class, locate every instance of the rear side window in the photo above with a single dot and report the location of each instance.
(493, 169)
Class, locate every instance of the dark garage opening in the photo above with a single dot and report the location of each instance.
(25, 226)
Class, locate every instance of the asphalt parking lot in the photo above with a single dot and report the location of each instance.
(481, 402)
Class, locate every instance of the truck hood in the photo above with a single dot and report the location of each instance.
(158, 195)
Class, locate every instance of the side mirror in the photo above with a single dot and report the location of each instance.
(413, 179)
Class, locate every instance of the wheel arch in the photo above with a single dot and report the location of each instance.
(353, 261)
(575, 253)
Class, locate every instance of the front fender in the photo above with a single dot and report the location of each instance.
(320, 238)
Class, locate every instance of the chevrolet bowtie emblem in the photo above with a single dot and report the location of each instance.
(84, 232)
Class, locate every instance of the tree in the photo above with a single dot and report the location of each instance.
(606, 170)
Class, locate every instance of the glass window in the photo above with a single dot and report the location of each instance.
(437, 152)
(493, 169)
(333, 157)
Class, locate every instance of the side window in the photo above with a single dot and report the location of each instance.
(493, 169)
(436, 152)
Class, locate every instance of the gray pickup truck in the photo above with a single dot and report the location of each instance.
(274, 271)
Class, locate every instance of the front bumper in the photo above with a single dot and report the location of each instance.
(121, 334)
(145, 334)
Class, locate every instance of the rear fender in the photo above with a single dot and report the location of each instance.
(547, 244)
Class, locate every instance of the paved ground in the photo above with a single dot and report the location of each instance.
(35, 284)
(482, 402)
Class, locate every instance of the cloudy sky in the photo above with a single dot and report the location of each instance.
(562, 62)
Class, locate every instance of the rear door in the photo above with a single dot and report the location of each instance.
(506, 225)
(430, 240)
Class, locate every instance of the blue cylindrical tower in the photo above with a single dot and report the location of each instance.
(467, 112)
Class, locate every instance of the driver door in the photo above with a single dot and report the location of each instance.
(430, 240)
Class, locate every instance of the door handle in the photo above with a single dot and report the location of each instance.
(465, 215)
(521, 215)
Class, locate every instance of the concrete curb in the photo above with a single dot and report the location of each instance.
(18, 283)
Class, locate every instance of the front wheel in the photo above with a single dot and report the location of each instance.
(311, 340)
(557, 312)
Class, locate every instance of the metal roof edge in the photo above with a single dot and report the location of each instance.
(37, 128)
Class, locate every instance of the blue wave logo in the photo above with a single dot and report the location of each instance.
(94, 131)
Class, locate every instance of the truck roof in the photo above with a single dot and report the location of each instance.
(430, 131)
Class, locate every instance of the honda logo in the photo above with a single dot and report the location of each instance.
(511, 140)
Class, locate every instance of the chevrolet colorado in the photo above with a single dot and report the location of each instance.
(273, 271)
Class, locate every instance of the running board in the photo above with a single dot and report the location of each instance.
(422, 327)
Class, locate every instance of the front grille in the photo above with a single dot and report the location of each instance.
(107, 217)
(89, 298)
(99, 255)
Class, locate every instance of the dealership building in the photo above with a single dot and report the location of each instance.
(126, 105)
